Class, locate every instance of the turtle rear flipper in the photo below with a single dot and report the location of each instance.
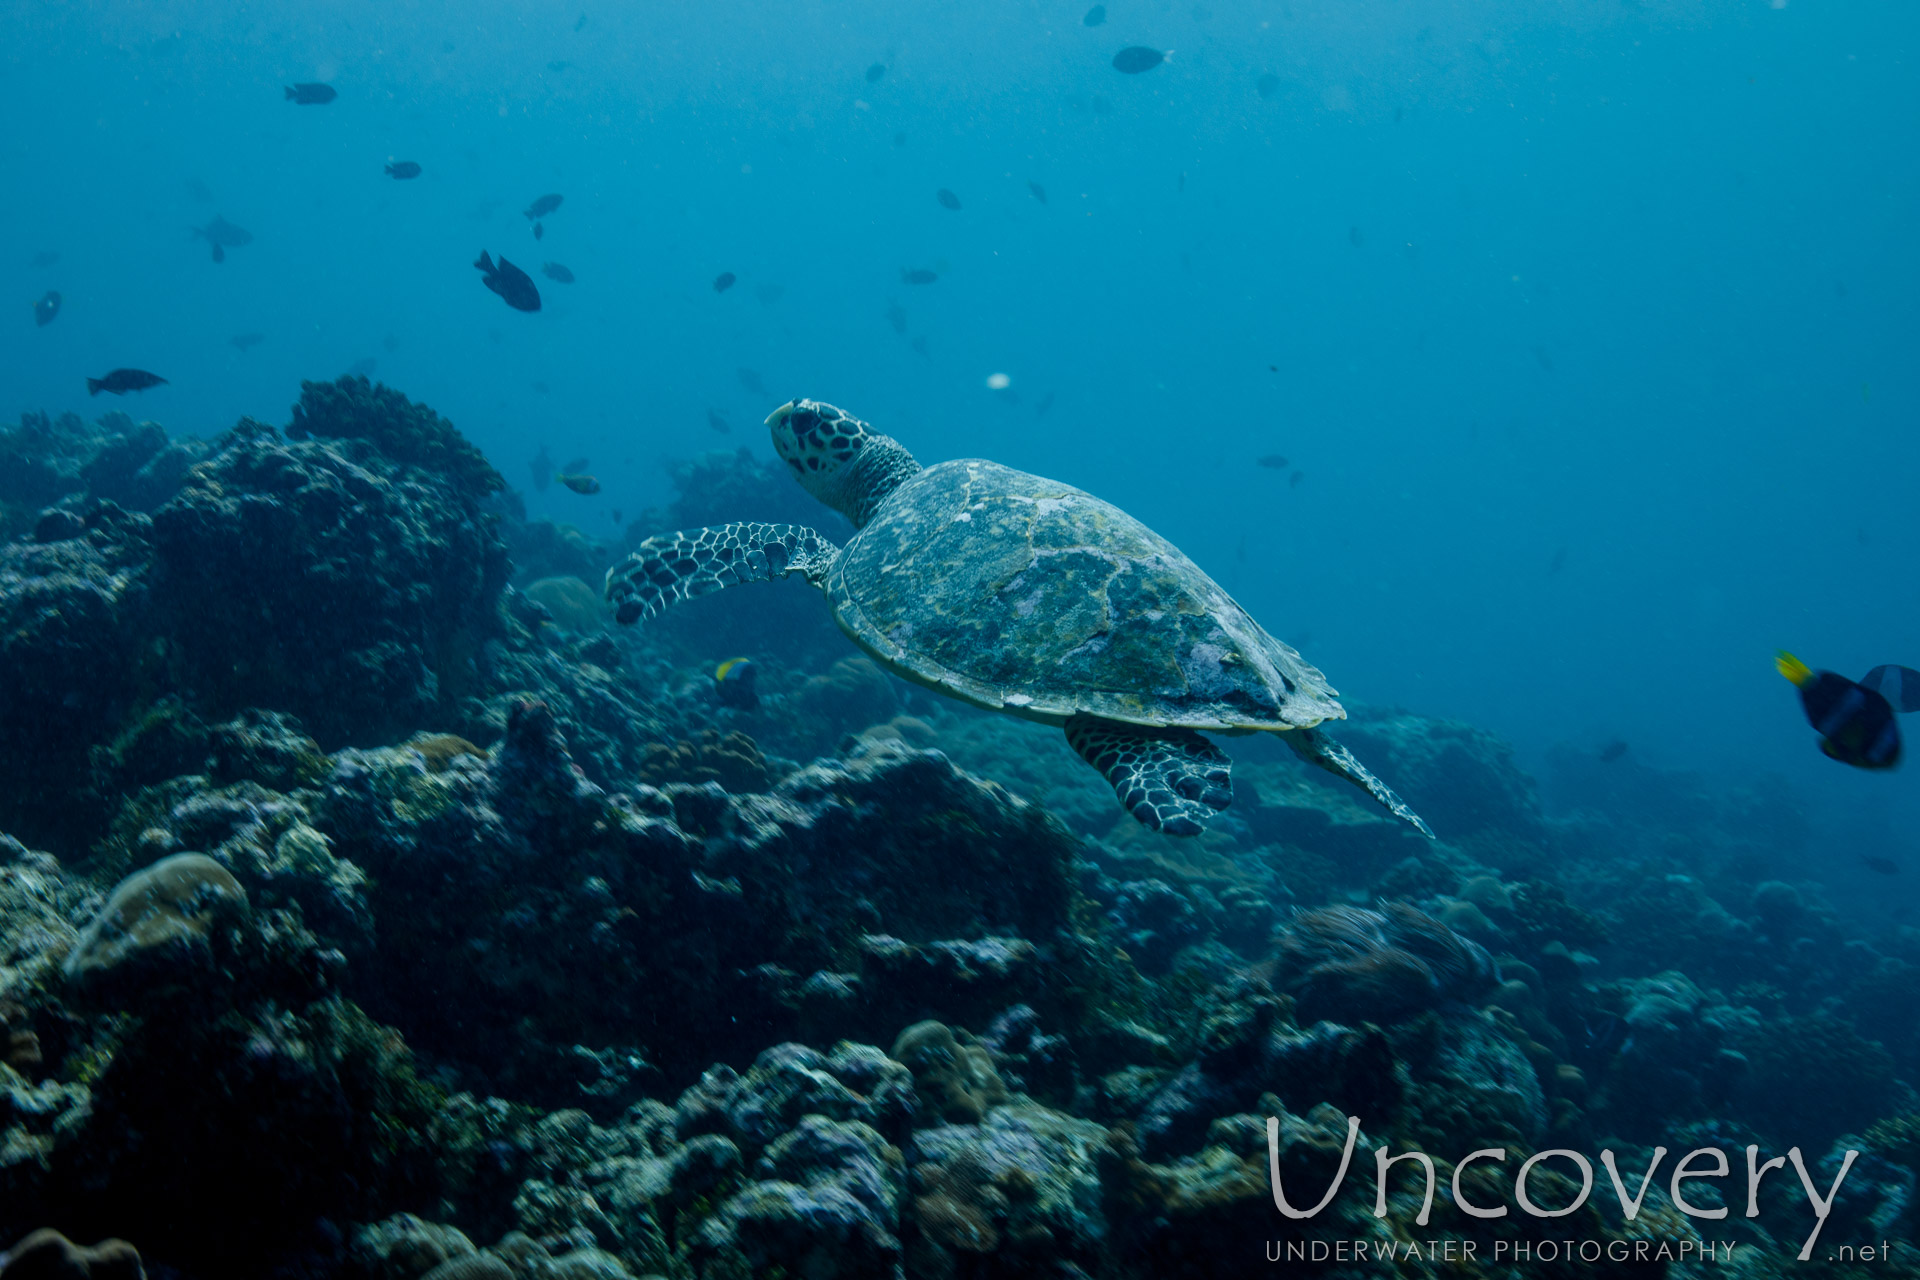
(1172, 780)
(1317, 748)
(672, 567)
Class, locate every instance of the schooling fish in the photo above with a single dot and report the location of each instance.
(733, 683)
(1613, 751)
(403, 169)
(575, 466)
(1272, 461)
(579, 484)
(947, 199)
(918, 275)
(1855, 720)
(1136, 58)
(542, 468)
(751, 381)
(1267, 85)
(1885, 866)
(121, 381)
(1039, 192)
(311, 95)
(724, 281)
(875, 71)
(717, 422)
(510, 282)
(1095, 16)
(245, 341)
(542, 207)
(46, 309)
(554, 271)
(223, 235)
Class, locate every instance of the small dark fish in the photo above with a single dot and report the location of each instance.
(1136, 58)
(1039, 192)
(246, 341)
(1855, 723)
(542, 207)
(724, 281)
(1043, 404)
(539, 231)
(769, 293)
(897, 317)
(1095, 16)
(1272, 461)
(1613, 751)
(363, 367)
(554, 271)
(875, 71)
(580, 22)
(918, 275)
(1885, 866)
(223, 235)
(617, 517)
(403, 169)
(947, 199)
(1293, 481)
(1558, 561)
(46, 309)
(1356, 237)
(733, 682)
(576, 466)
(199, 190)
(717, 422)
(46, 257)
(919, 344)
(580, 484)
(1267, 85)
(121, 381)
(542, 469)
(751, 381)
(513, 285)
(311, 95)
(1273, 368)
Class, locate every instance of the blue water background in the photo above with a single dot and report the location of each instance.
(1591, 326)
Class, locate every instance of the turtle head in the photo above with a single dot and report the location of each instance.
(838, 458)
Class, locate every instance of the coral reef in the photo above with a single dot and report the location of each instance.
(453, 934)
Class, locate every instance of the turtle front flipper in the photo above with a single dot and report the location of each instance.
(671, 567)
(1316, 747)
(1172, 780)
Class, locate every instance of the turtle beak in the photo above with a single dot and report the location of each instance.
(779, 416)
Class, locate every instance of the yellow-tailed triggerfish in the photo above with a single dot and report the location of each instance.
(1855, 718)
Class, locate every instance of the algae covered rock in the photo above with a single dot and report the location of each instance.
(348, 590)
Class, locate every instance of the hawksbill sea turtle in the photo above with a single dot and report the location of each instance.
(1025, 596)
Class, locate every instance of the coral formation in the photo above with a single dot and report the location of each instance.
(455, 936)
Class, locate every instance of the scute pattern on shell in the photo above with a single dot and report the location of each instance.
(1029, 596)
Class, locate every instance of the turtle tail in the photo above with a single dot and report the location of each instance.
(672, 567)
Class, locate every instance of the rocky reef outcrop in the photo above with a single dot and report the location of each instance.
(372, 910)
